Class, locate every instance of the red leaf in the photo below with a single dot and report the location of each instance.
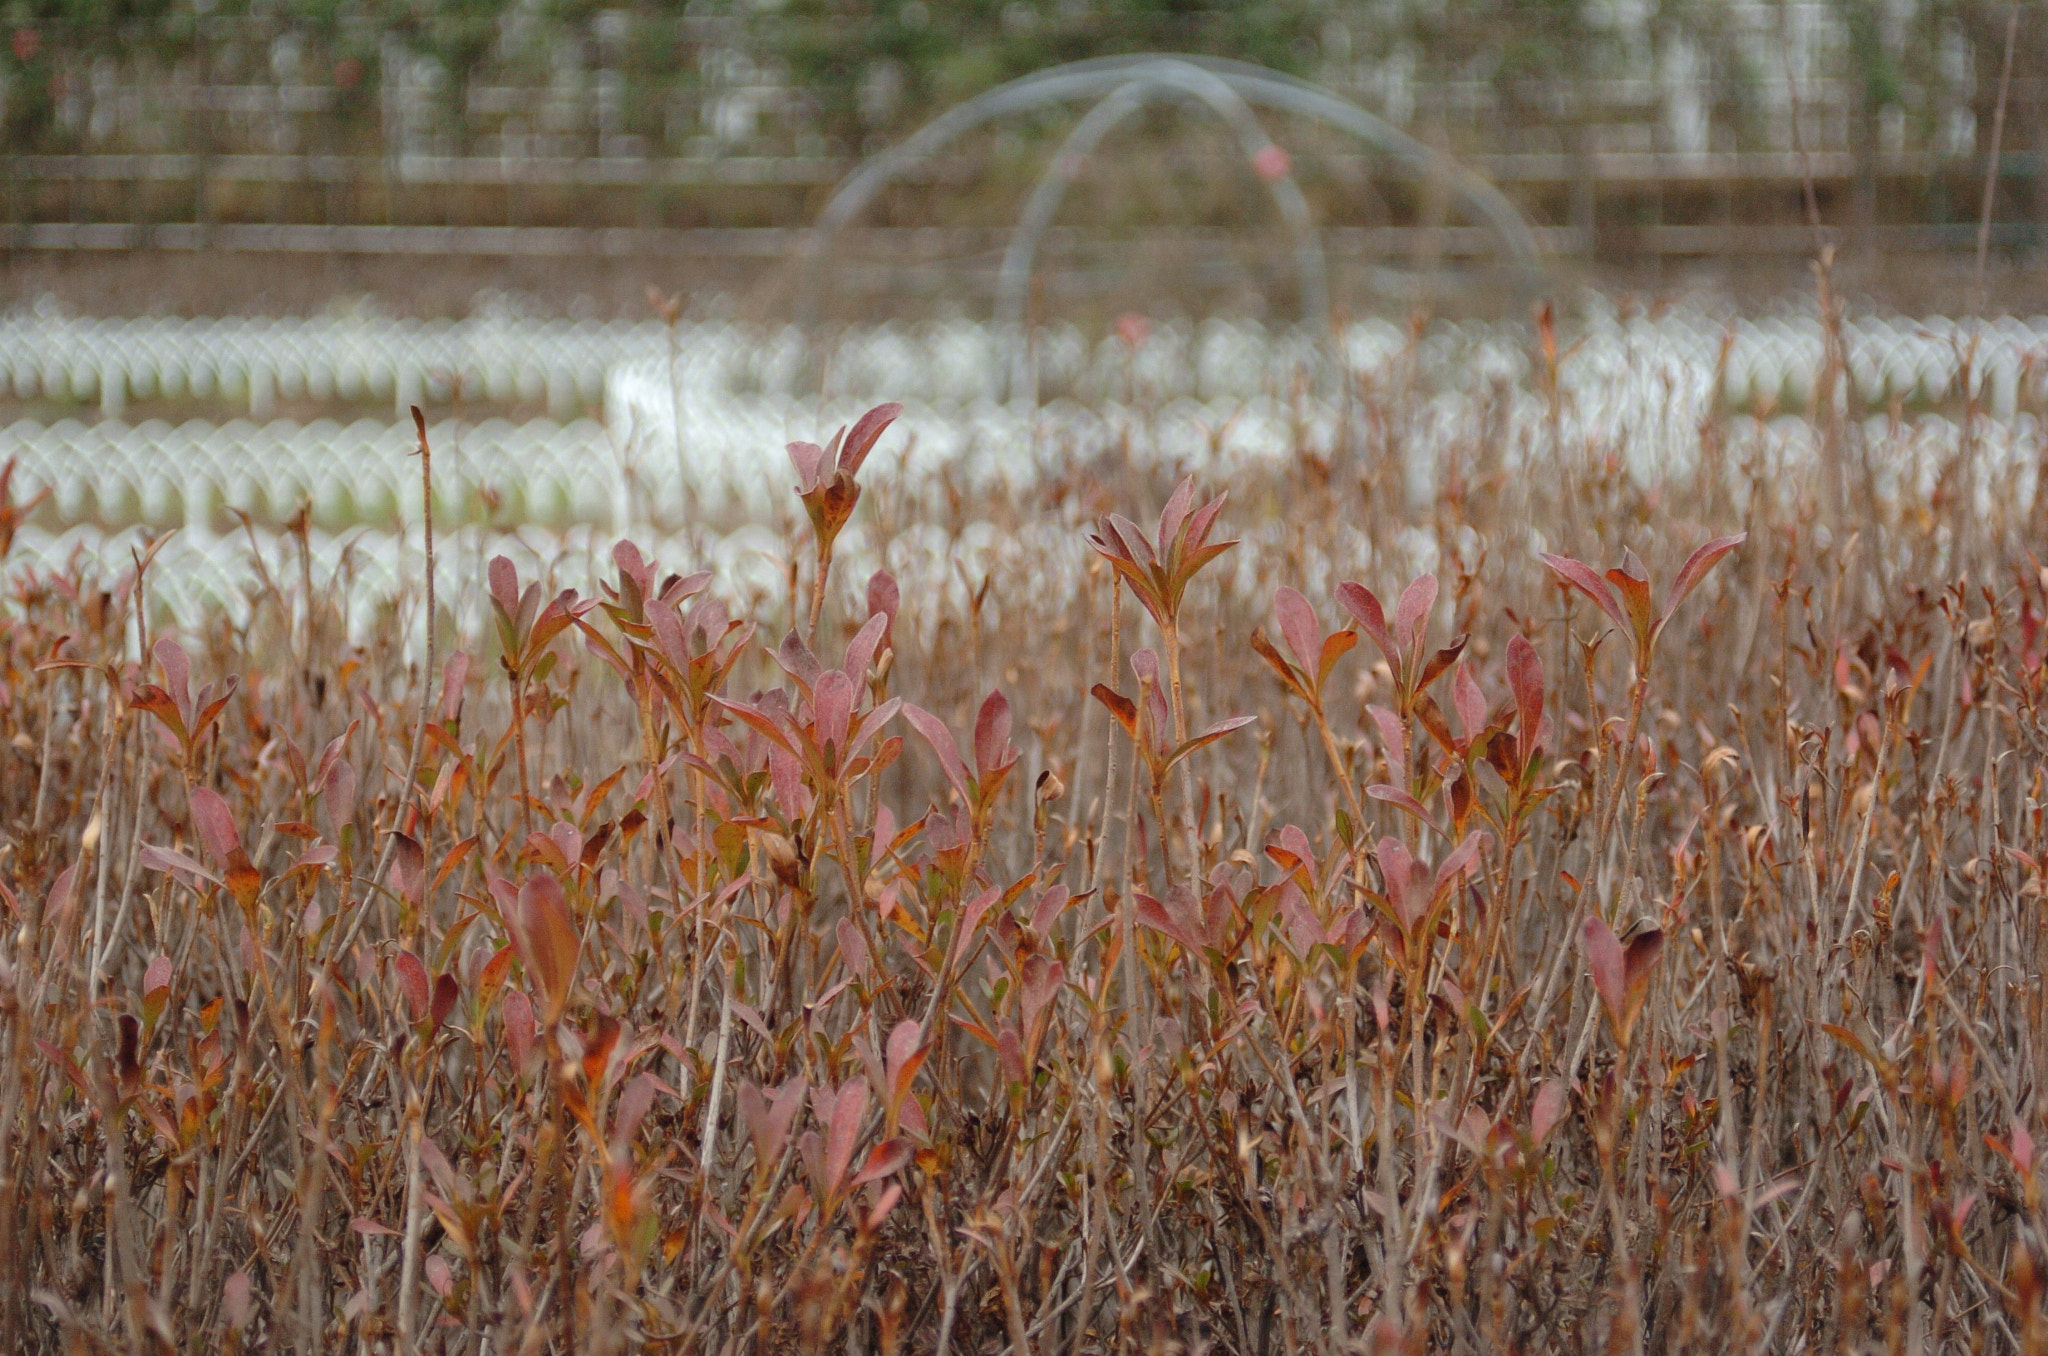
(1632, 583)
(545, 934)
(158, 703)
(884, 597)
(447, 989)
(1581, 577)
(941, 740)
(1400, 800)
(809, 461)
(1121, 707)
(885, 1158)
(860, 651)
(832, 704)
(170, 656)
(504, 579)
(1604, 957)
(1548, 1109)
(1175, 513)
(1695, 569)
(1209, 736)
(1298, 627)
(1469, 701)
(866, 431)
(853, 950)
(1525, 677)
(1364, 606)
(844, 1130)
(634, 1104)
(777, 1113)
(408, 867)
(517, 1014)
(172, 861)
(1411, 614)
(216, 825)
(412, 979)
(992, 738)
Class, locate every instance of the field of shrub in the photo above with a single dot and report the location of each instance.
(1583, 910)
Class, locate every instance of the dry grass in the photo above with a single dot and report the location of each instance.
(1502, 973)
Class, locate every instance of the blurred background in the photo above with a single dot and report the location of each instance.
(197, 156)
(240, 238)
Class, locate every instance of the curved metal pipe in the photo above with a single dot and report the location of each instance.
(1167, 77)
(1101, 76)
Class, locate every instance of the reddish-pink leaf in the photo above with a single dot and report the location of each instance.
(454, 676)
(1638, 961)
(885, 1158)
(905, 1053)
(1294, 855)
(884, 598)
(1525, 677)
(768, 1119)
(1632, 584)
(634, 1103)
(1121, 707)
(876, 1217)
(1335, 647)
(860, 651)
(170, 656)
(992, 737)
(1548, 1109)
(1290, 677)
(1411, 614)
(516, 1012)
(235, 1300)
(941, 740)
(408, 867)
(1209, 736)
(853, 950)
(1469, 701)
(832, 701)
(844, 1130)
(1400, 800)
(809, 461)
(1604, 957)
(1175, 923)
(758, 720)
(1175, 514)
(447, 989)
(216, 824)
(1581, 577)
(1393, 740)
(338, 797)
(171, 861)
(1298, 627)
(1364, 606)
(1695, 569)
(1464, 858)
(862, 438)
(545, 934)
(504, 579)
(413, 981)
